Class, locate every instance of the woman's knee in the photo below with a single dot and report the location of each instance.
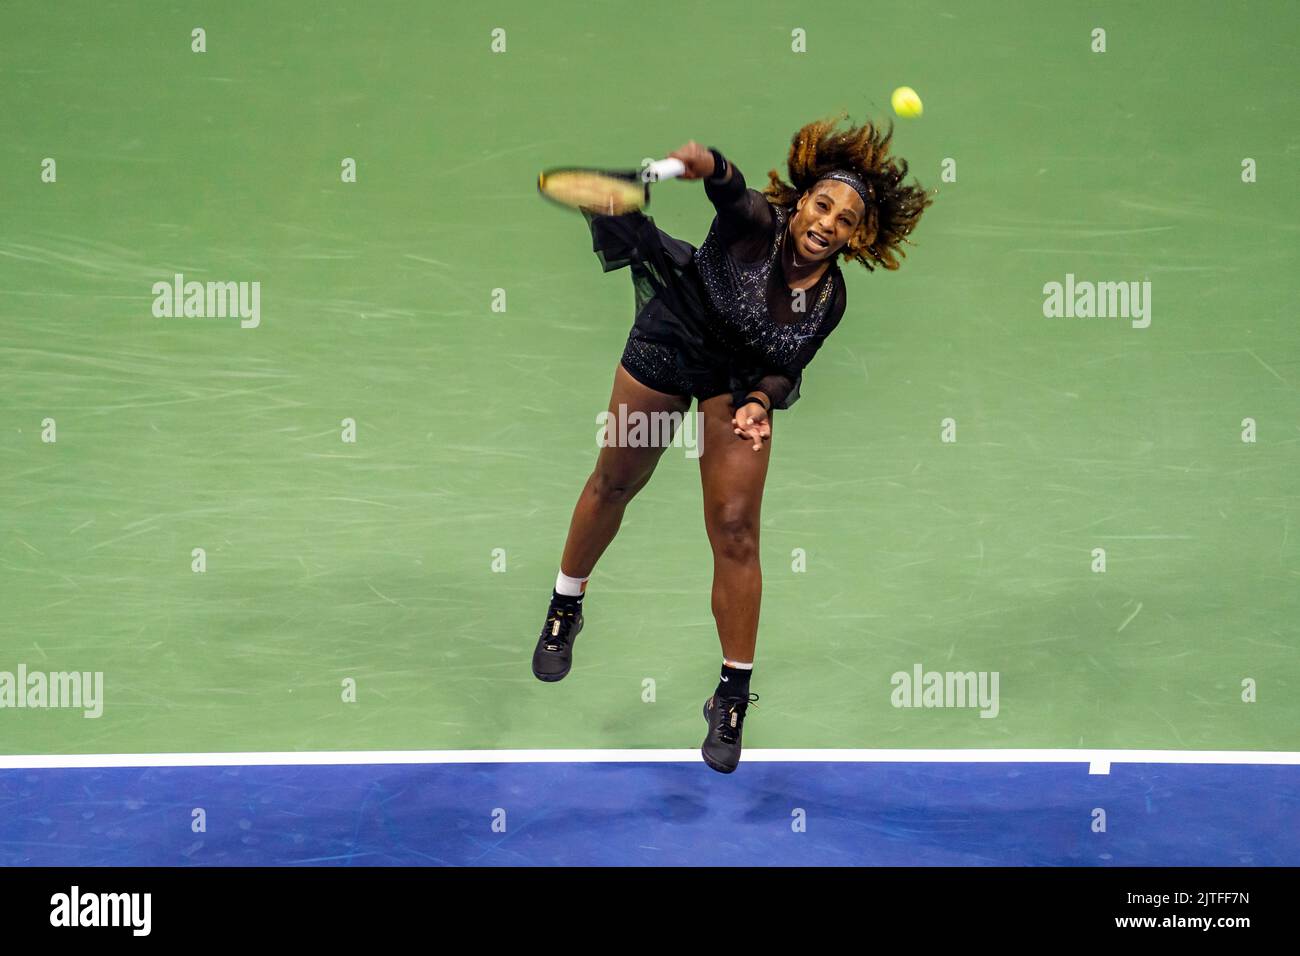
(733, 533)
(615, 486)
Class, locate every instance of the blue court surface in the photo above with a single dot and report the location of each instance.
(665, 812)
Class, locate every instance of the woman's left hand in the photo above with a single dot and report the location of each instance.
(751, 423)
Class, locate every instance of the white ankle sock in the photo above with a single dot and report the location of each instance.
(738, 665)
(570, 587)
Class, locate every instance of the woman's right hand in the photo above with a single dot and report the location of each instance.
(697, 160)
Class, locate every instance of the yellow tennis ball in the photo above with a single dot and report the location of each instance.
(905, 102)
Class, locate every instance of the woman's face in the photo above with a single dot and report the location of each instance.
(825, 219)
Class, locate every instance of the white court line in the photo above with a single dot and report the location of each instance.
(1098, 761)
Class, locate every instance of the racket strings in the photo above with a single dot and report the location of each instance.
(587, 190)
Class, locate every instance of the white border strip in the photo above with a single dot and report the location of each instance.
(1098, 761)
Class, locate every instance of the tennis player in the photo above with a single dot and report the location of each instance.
(731, 324)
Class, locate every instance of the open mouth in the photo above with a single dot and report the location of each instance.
(817, 242)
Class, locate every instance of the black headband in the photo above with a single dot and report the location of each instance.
(865, 192)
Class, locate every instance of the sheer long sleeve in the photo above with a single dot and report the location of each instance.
(745, 220)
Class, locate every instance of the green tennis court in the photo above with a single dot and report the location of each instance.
(935, 501)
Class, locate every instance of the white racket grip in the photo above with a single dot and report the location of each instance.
(664, 169)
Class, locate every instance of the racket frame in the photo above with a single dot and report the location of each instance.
(634, 176)
(659, 171)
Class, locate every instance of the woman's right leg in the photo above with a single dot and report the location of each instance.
(619, 474)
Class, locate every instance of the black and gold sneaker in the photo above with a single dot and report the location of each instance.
(554, 653)
(726, 719)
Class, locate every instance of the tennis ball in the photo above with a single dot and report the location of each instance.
(905, 102)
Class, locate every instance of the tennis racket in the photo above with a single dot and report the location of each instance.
(610, 192)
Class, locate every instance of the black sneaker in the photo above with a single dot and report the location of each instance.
(726, 717)
(554, 654)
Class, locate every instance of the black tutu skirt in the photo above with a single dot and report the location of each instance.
(675, 344)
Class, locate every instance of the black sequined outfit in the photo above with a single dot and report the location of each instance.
(719, 319)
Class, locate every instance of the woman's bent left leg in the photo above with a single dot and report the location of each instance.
(733, 475)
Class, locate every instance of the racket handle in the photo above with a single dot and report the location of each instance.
(664, 169)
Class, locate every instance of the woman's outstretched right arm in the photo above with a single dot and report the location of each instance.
(744, 215)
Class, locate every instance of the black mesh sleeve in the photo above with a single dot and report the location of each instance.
(745, 220)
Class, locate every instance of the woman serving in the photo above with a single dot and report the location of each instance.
(731, 324)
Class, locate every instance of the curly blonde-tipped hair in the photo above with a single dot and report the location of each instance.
(817, 149)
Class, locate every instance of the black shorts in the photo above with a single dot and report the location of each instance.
(670, 348)
(655, 365)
